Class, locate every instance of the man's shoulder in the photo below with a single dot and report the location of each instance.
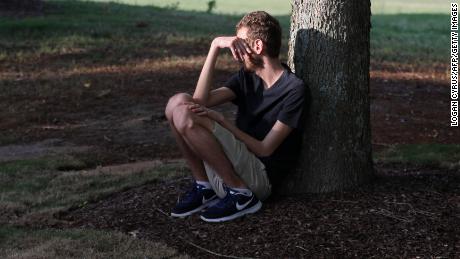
(294, 82)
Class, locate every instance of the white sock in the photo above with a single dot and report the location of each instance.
(244, 191)
(205, 184)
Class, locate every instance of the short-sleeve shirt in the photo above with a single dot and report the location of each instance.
(259, 109)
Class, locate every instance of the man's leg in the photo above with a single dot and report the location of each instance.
(194, 162)
(197, 137)
(197, 133)
(202, 194)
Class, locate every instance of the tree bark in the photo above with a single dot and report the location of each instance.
(329, 50)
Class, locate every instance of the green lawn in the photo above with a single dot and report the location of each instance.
(433, 154)
(283, 7)
(37, 188)
(24, 243)
(53, 183)
(79, 27)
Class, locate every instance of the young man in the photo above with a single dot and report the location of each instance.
(234, 166)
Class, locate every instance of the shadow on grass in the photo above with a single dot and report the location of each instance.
(67, 26)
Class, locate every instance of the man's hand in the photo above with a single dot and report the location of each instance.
(237, 46)
(204, 111)
(240, 51)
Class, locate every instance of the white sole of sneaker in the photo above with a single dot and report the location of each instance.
(250, 210)
(207, 204)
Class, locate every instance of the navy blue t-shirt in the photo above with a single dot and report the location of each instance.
(259, 109)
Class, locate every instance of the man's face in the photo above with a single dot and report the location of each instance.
(251, 60)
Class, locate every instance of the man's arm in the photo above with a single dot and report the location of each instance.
(268, 145)
(202, 93)
(203, 85)
(220, 95)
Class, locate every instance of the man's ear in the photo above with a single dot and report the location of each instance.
(258, 46)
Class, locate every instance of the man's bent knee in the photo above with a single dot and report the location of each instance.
(185, 120)
(174, 102)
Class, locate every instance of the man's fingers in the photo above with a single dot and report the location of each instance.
(233, 50)
(192, 104)
(238, 52)
(197, 109)
(188, 103)
(246, 46)
(241, 49)
(203, 113)
(248, 49)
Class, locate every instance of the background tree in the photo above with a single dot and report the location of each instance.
(329, 50)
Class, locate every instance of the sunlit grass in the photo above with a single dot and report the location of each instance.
(39, 184)
(277, 7)
(433, 154)
(18, 242)
(127, 31)
(410, 38)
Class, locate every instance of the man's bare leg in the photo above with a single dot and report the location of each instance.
(196, 132)
(194, 162)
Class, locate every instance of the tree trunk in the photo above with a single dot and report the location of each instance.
(329, 50)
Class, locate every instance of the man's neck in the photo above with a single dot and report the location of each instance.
(271, 72)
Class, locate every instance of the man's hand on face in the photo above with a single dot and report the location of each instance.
(239, 48)
(204, 111)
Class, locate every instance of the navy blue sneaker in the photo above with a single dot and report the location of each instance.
(234, 205)
(194, 200)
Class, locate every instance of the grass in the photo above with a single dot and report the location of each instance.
(18, 242)
(277, 7)
(30, 189)
(36, 185)
(83, 28)
(65, 162)
(410, 38)
(439, 155)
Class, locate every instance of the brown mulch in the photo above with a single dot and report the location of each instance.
(408, 211)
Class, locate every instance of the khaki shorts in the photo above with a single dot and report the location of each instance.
(250, 169)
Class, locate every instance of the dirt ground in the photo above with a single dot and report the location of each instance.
(406, 215)
(116, 109)
(113, 113)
